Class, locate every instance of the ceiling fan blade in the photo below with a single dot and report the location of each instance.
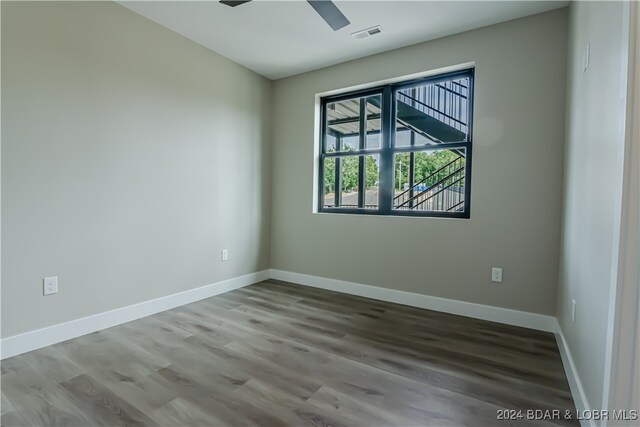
(330, 13)
(234, 3)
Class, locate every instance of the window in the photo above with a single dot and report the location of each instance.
(399, 149)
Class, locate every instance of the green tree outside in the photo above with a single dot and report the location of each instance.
(426, 163)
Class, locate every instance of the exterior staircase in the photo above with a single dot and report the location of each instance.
(437, 112)
(440, 191)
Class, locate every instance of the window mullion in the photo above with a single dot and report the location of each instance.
(361, 159)
(323, 138)
(386, 155)
(412, 169)
(412, 160)
(338, 174)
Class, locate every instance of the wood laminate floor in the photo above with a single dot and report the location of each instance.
(276, 354)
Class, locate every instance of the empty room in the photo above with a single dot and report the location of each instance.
(320, 213)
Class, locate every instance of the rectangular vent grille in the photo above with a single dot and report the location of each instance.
(367, 32)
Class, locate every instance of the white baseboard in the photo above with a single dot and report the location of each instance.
(577, 391)
(485, 312)
(32, 340)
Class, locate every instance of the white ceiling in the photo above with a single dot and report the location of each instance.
(281, 38)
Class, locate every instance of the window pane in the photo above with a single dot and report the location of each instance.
(349, 174)
(343, 122)
(344, 126)
(372, 181)
(433, 113)
(329, 189)
(372, 140)
(330, 144)
(350, 143)
(349, 170)
(432, 181)
(403, 136)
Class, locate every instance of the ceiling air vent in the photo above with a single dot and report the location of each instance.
(367, 32)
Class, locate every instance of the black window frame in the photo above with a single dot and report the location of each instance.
(388, 149)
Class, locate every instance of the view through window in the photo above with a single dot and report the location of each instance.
(399, 149)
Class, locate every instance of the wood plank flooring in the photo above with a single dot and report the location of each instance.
(276, 354)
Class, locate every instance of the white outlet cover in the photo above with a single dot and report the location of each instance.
(496, 275)
(50, 285)
(225, 255)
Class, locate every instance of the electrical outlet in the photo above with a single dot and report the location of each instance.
(573, 311)
(496, 275)
(50, 285)
(225, 255)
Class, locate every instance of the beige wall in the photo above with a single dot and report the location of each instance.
(130, 157)
(593, 174)
(516, 179)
